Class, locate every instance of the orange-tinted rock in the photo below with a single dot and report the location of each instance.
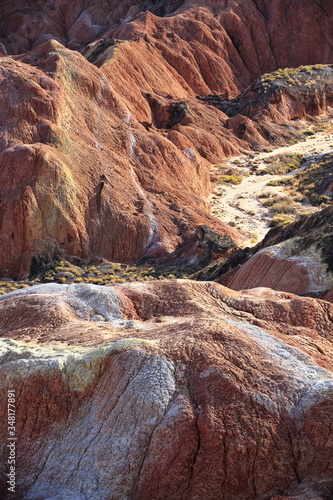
(269, 268)
(94, 150)
(79, 175)
(179, 390)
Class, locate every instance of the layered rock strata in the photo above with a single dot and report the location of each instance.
(296, 258)
(168, 390)
(104, 148)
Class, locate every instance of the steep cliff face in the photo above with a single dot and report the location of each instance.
(107, 153)
(178, 390)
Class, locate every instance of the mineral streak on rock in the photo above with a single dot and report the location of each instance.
(220, 396)
(92, 89)
(111, 114)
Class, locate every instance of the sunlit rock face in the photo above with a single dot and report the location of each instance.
(168, 390)
(75, 167)
(109, 123)
(105, 148)
(296, 258)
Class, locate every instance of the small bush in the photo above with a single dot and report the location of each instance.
(278, 182)
(231, 179)
(318, 199)
(263, 171)
(280, 220)
(75, 271)
(282, 164)
(280, 205)
(270, 201)
(281, 168)
(266, 194)
(283, 207)
(308, 132)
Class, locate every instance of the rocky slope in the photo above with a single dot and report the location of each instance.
(296, 258)
(104, 148)
(168, 390)
(266, 108)
(111, 116)
(78, 173)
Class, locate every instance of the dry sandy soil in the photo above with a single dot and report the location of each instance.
(240, 204)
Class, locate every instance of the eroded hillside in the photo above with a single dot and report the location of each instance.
(105, 148)
(176, 390)
(114, 119)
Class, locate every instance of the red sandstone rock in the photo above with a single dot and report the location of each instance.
(270, 268)
(327, 295)
(94, 152)
(296, 258)
(89, 182)
(179, 390)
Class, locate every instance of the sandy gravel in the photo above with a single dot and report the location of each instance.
(240, 205)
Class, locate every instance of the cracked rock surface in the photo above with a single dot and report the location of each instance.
(177, 390)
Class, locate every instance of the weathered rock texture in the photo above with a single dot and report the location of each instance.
(264, 110)
(106, 153)
(80, 175)
(179, 390)
(296, 258)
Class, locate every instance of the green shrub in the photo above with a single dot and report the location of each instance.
(278, 182)
(230, 179)
(308, 132)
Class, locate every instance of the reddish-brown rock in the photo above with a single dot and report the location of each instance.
(296, 258)
(273, 269)
(178, 390)
(95, 150)
(80, 175)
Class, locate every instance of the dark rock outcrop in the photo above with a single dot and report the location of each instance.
(161, 7)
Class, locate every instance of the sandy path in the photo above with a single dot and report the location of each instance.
(240, 205)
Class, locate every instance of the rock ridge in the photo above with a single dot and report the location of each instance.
(221, 395)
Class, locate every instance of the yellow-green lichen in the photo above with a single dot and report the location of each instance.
(79, 366)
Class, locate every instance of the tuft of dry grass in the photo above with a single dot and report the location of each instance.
(230, 179)
(281, 164)
(281, 220)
